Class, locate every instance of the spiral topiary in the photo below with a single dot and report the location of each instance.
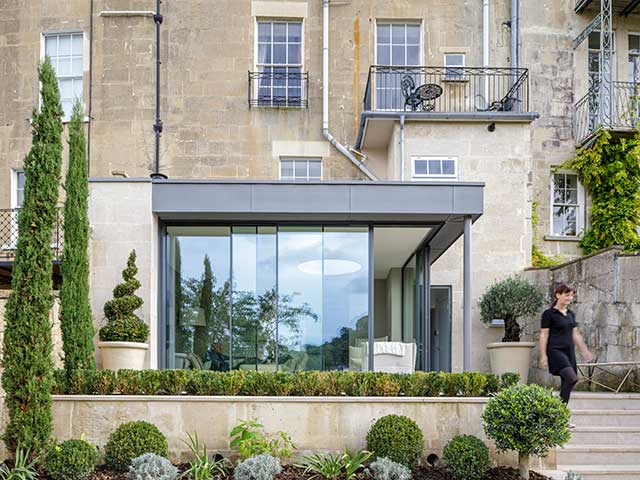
(123, 325)
(397, 438)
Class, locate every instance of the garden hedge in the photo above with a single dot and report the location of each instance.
(311, 383)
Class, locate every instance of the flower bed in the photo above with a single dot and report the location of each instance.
(280, 384)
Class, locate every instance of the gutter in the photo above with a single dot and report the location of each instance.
(325, 97)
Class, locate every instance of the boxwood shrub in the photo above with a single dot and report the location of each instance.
(308, 384)
(466, 457)
(71, 460)
(397, 438)
(132, 439)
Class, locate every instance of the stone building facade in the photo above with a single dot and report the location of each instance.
(212, 132)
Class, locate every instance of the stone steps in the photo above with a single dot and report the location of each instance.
(605, 435)
(605, 472)
(599, 454)
(606, 418)
(601, 401)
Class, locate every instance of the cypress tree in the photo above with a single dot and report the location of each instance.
(75, 312)
(27, 347)
(202, 333)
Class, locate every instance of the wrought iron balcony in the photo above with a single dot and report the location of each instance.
(9, 234)
(625, 109)
(447, 89)
(624, 7)
(279, 87)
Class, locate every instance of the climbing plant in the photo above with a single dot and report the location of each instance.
(611, 173)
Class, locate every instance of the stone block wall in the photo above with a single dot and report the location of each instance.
(607, 305)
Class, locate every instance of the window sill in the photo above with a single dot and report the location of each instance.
(66, 120)
(561, 238)
(455, 80)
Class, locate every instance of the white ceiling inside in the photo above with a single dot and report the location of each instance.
(393, 246)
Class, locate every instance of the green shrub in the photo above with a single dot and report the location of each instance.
(101, 382)
(397, 438)
(250, 440)
(332, 466)
(152, 467)
(59, 385)
(510, 299)
(123, 325)
(260, 467)
(385, 469)
(23, 468)
(132, 439)
(527, 419)
(26, 352)
(138, 382)
(76, 322)
(174, 382)
(466, 457)
(71, 460)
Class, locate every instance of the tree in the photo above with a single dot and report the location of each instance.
(75, 311)
(27, 347)
(203, 332)
(509, 299)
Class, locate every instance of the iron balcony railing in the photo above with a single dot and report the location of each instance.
(447, 89)
(278, 87)
(9, 234)
(625, 110)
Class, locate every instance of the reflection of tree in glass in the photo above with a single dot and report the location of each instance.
(254, 322)
(335, 352)
(184, 339)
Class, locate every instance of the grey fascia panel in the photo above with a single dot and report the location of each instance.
(201, 197)
(405, 199)
(468, 200)
(300, 198)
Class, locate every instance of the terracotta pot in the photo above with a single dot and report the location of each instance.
(511, 357)
(120, 355)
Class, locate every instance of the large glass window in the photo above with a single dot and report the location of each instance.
(266, 298)
(397, 45)
(279, 61)
(65, 52)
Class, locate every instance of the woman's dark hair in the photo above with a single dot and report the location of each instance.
(560, 289)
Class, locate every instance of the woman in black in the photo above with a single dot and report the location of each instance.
(558, 337)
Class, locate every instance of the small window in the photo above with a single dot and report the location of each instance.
(634, 58)
(65, 52)
(301, 169)
(454, 66)
(568, 205)
(18, 187)
(435, 167)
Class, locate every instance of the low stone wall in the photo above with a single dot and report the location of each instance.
(314, 423)
(607, 305)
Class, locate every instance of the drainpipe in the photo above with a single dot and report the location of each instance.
(157, 126)
(515, 42)
(485, 47)
(89, 106)
(402, 147)
(325, 96)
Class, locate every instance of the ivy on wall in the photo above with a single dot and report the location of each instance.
(611, 173)
(538, 257)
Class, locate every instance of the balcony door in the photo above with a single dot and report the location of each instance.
(398, 44)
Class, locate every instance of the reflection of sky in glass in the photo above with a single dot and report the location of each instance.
(193, 250)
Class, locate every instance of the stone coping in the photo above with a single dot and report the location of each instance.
(269, 399)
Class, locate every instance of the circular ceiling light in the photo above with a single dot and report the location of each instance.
(332, 267)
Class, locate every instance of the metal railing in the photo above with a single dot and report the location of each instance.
(447, 89)
(625, 111)
(9, 234)
(278, 88)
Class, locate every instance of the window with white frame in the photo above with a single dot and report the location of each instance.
(65, 52)
(435, 167)
(633, 72)
(567, 199)
(594, 58)
(279, 63)
(300, 169)
(17, 196)
(453, 66)
(398, 44)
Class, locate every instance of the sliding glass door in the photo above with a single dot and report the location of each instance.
(265, 298)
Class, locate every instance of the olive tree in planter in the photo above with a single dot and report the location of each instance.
(528, 419)
(123, 338)
(509, 300)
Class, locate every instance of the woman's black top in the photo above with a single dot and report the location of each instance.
(560, 348)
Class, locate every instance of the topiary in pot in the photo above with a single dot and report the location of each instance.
(132, 439)
(122, 339)
(466, 457)
(71, 460)
(508, 300)
(527, 419)
(397, 438)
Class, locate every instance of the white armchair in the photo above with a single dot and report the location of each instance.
(391, 357)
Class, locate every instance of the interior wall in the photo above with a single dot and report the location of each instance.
(394, 304)
(380, 328)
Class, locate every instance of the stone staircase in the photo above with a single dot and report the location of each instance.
(606, 441)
